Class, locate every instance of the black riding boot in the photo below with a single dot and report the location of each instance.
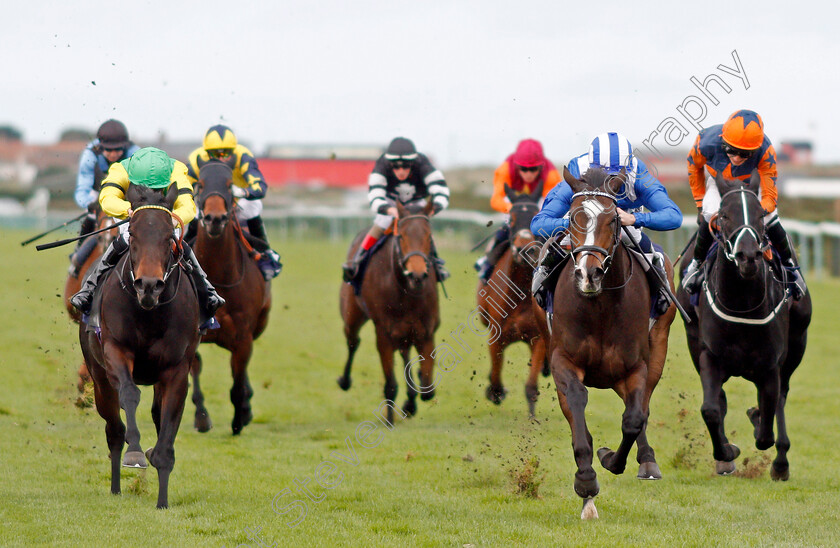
(549, 268)
(270, 262)
(208, 300)
(658, 294)
(485, 264)
(192, 232)
(351, 268)
(779, 239)
(693, 277)
(437, 262)
(84, 298)
(84, 246)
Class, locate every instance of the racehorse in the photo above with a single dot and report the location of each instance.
(399, 294)
(506, 299)
(600, 332)
(221, 251)
(746, 325)
(74, 283)
(149, 334)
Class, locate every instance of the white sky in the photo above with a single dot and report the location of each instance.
(465, 80)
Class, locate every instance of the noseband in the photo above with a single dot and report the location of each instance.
(730, 243)
(584, 250)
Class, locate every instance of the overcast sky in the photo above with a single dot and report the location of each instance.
(465, 80)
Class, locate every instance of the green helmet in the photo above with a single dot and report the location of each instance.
(149, 167)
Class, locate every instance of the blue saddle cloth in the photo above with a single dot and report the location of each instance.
(360, 274)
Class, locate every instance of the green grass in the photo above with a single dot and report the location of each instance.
(451, 476)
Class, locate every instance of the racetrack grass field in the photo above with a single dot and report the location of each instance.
(444, 477)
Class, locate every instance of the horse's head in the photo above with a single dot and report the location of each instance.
(414, 242)
(151, 242)
(739, 223)
(523, 208)
(594, 226)
(213, 197)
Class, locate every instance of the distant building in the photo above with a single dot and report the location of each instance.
(340, 166)
(795, 152)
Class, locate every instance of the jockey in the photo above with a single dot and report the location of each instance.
(111, 145)
(612, 152)
(248, 185)
(734, 150)
(401, 174)
(152, 168)
(522, 171)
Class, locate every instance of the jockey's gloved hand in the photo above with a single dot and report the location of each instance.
(436, 208)
(92, 207)
(239, 192)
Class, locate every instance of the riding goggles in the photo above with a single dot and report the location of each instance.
(218, 153)
(729, 149)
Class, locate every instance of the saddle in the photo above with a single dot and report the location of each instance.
(356, 282)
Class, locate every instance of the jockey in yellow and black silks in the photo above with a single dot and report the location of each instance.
(249, 188)
(152, 168)
(734, 149)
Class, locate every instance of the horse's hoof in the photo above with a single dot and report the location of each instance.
(589, 511)
(724, 468)
(495, 393)
(780, 473)
(586, 489)
(344, 383)
(202, 422)
(426, 396)
(409, 408)
(649, 471)
(134, 459)
(607, 458)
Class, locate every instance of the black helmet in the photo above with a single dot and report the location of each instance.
(112, 134)
(401, 149)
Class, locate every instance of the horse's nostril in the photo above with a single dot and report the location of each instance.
(138, 285)
(159, 285)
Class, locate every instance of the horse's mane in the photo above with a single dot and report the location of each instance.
(595, 177)
(139, 195)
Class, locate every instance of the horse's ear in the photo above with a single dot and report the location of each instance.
(576, 184)
(755, 181)
(172, 195)
(401, 210)
(725, 185)
(429, 208)
(132, 195)
(511, 195)
(537, 194)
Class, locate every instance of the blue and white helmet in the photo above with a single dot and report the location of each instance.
(612, 152)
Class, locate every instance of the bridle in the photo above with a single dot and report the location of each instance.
(177, 251)
(403, 258)
(584, 250)
(744, 230)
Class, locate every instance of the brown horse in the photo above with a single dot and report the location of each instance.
(745, 325)
(506, 299)
(600, 332)
(149, 334)
(399, 293)
(74, 283)
(221, 251)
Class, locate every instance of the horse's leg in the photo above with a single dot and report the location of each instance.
(632, 420)
(713, 411)
(573, 398)
(156, 403)
(386, 356)
(768, 400)
(645, 456)
(354, 317)
(172, 388)
(120, 364)
(241, 392)
(427, 369)
(532, 390)
(84, 377)
(107, 404)
(495, 391)
(202, 417)
(410, 405)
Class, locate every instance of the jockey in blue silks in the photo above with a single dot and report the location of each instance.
(611, 152)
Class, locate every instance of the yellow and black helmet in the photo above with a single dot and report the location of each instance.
(219, 137)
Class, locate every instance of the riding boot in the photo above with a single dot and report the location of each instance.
(437, 262)
(192, 232)
(693, 276)
(84, 298)
(658, 294)
(547, 268)
(485, 264)
(84, 247)
(781, 243)
(209, 301)
(351, 268)
(270, 262)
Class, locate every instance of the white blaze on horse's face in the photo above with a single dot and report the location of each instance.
(744, 232)
(592, 209)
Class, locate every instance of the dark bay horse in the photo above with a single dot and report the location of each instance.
(221, 251)
(74, 283)
(506, 298)
(745, 325)
(149, 334)
(399, 294)
(600, 332)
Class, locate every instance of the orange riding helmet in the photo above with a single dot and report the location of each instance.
(744, 130)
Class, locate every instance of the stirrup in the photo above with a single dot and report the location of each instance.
(693, 277)
(270, 264)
